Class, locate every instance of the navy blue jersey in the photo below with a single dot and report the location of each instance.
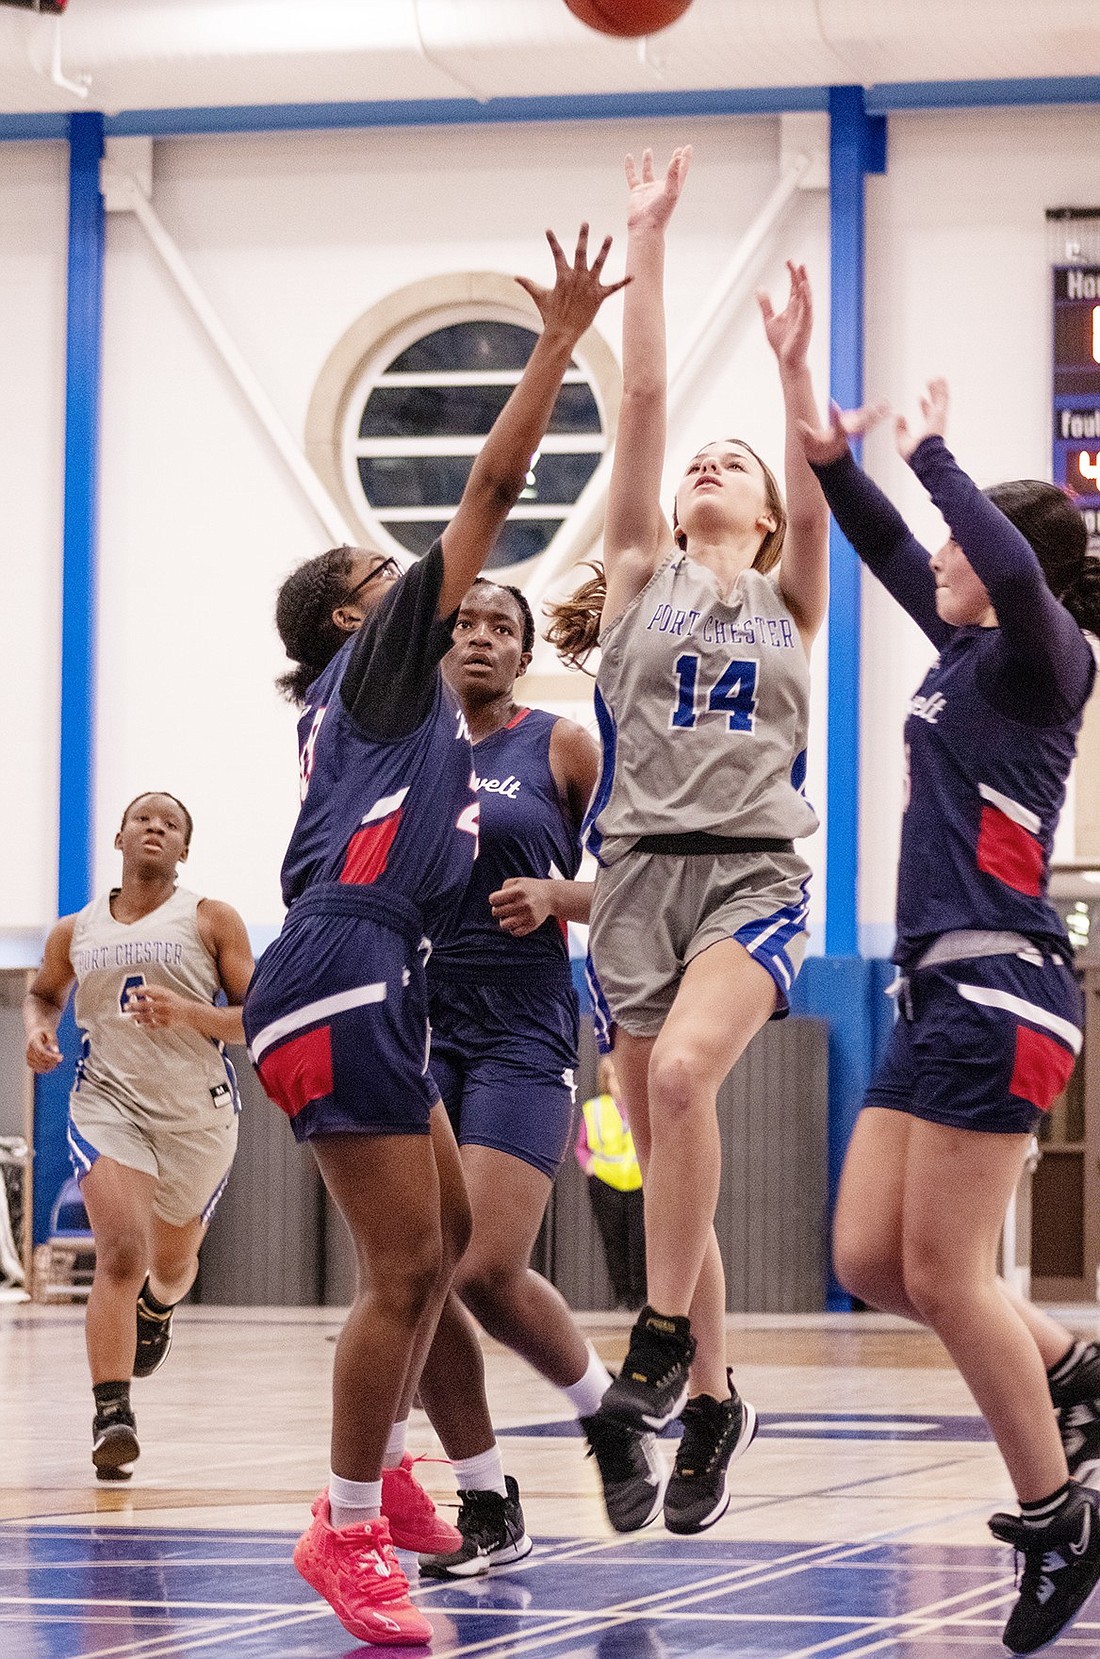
(525, 830)
(992, 732)
(387, 796)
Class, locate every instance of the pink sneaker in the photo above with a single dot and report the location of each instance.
(415, 1523)
(356, 1570)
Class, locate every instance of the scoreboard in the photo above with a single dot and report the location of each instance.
(1076, 436)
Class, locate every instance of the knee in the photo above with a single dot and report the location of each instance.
(122, 1256)
(481, 1284)
(406, 1285)
(675, 1090)
(864, 1272)
(933, 1289)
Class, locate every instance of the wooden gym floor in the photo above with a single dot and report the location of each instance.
(857, 1525)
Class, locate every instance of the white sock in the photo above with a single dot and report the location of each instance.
(353, 1502)
(585, 1394)
(395, 1445)
(483, 1473)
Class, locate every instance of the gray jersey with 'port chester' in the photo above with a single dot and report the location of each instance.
(166, 1078)
(703, 705)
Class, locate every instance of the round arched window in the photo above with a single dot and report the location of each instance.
(407, 404)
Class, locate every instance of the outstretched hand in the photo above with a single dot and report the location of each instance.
(825, 444)
(652, 200)
(577, 294)
(933, 408)
(789, 330)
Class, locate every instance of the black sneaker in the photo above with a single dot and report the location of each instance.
(114, 1441)
(1061, 1568)
(653, 1383)
(154, 1337)
(632, 1471)
(1077, 1407)
(1079, 1427)
(1082, 1386)
(716, 1432)
(492, 1535)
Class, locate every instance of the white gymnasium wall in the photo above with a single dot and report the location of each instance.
(292, 237)
(33, 236)
(957, 284)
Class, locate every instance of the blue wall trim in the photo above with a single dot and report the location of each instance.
(34, 127)
(245, 118)
(427, 112)
(849, 993)
(78, 614)
(915, 95)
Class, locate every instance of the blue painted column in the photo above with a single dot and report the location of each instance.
(848, 991)
(76, 782)
(78, 618)
(857, 146)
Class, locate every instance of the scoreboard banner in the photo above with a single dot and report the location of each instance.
(1076, 379)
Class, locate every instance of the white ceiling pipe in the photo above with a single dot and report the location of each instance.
(160, 53)
(122, 193)
(577, 540)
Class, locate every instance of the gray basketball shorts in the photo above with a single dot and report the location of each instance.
(653, 913)
(190, 1166)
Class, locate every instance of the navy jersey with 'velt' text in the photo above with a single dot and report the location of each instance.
(387, 797)
(991, 734)
(525, 830)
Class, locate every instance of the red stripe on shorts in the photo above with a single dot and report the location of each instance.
(368, 850)
(299, 1071)
(1009, 852)
(1041, 1069)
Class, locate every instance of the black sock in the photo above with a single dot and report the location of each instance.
(1042, 1511)
(674, 1325)
(151, 1304)
(111, 1397)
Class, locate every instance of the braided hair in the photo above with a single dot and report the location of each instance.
(303, 617)
(1047, 519)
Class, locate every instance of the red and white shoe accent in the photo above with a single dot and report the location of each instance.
(415, 1523)
(357, 1571)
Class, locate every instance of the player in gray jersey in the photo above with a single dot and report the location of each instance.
(699, 911)
(153, 1111)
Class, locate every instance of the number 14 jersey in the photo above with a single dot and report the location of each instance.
(703, 708)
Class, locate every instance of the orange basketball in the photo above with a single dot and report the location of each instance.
(628, 17)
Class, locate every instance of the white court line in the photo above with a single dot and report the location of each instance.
(184, 1606)
(166, 1647)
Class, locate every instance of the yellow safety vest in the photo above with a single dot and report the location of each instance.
(610, 1145)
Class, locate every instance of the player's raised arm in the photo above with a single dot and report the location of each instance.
(500, 470)
(636, 535)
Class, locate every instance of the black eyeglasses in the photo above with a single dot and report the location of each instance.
(389, 564)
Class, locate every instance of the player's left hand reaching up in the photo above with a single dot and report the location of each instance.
(571, 304)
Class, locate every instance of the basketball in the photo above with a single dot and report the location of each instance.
(628, 17)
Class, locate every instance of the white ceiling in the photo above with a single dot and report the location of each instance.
(145, 54)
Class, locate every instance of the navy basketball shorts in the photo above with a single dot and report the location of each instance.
(984, 1044)
(336, 1021)
(503, 1057)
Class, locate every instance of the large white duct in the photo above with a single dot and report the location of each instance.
(186, 53)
